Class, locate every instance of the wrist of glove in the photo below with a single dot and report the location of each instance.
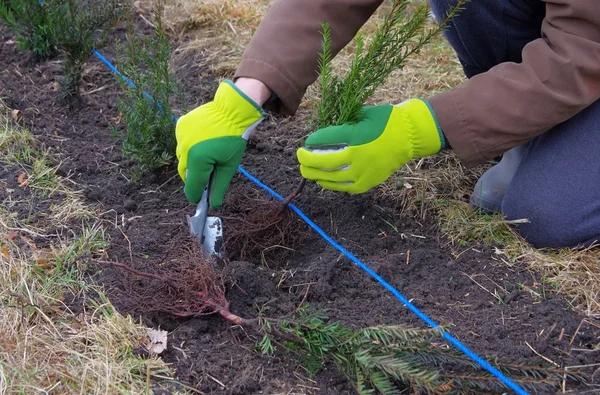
(357, 157)
(213, 138)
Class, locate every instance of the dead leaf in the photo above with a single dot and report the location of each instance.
(5, 252)
(12, 235)
(118, 119)
(16, 115)
(28, 241)
(158, 341)
(22, 180)
(44, 264)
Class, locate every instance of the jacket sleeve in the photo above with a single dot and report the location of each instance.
(511, 103)
(283, 52)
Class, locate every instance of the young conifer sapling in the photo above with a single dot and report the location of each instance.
(149, 138)
(80, 27)
(29, 20)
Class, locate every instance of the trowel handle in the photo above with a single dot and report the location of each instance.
(202, 208)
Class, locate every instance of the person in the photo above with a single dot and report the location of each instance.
(531, 95)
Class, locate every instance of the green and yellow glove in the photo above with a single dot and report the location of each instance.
(357, 157)
(213, 137)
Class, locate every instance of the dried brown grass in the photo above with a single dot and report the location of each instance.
(216, 31)
(20, 149)
(574, 273)
(423, 185)
(57, 333)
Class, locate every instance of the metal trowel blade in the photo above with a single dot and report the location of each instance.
(213, 236)
(209, 233)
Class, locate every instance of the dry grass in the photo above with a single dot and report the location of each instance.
(20, 149)
(424, 185)
(215, 31)
(57, 333)
(574, 273)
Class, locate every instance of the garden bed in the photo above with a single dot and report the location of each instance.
(493, 308)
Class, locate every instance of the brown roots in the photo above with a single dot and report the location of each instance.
(184, 285)
(264, 230)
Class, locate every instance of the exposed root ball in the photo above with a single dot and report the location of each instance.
(184, 285)
(259, 230)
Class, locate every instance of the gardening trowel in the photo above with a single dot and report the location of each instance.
(209, 230)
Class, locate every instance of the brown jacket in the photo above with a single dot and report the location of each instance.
(482, 118)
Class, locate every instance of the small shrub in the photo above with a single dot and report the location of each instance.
(149, 138)
(29, 20)
(81, 27)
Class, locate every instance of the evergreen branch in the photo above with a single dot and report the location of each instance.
(394, 334)
(31, 23)
(80, 27)
(149, 138)
(326, 72)
(395, 41)
(390, 359)
(436, 356)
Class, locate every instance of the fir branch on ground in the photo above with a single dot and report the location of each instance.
(29, 20)
(391, 359)
(149, 138)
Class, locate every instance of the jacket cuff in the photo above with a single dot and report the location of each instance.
(287, 98)
(451, 117)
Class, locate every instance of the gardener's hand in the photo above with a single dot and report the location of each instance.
(214, 137)
(357, 157)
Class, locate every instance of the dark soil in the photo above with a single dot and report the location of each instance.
(146, 222)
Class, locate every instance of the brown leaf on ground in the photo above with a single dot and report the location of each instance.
(118, 119)
(22, 180)
(16, 115)
(44, 264)
(11, 236)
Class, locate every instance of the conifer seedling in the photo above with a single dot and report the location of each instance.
(29, 20)
(149, 138)
(401, 34)
(80, 27)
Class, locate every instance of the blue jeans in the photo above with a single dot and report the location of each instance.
(557, 184)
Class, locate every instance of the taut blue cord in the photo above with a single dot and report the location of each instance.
(451, 339)
(127, 80)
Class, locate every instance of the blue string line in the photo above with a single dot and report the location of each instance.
(451, 339)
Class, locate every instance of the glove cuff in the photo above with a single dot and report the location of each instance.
(236, 106)
(426, 133)
(445, 142)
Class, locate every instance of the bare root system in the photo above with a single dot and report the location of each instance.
(187, 285)
(262, 230)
